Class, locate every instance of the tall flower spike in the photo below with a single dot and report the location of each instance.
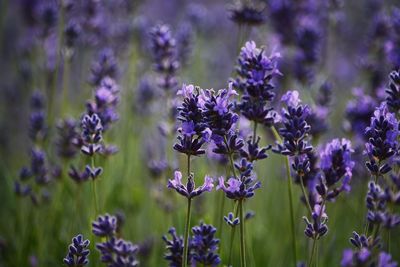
(104, 66)
(78, 252)
(174, 248)
(255, 71)
(336, 165)
(163, 47)
(190, 190)
(204, 245)
(382, 140)
(295, 128)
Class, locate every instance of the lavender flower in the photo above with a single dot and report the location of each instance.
(105, 102)
(318, 227)
(91, 134)
(104, 66)
(295, 128)
(78, 176)
(204, 246)
(239, 188)
(105, 226)
(118, 253)
(184, 40)
(231, 220)
(68, 140)
(78, 252)
(37, 120)
(174, 249)
(245, 13)
(190, 190)
(393, 98)
(255, 72)
(382, 140)
(336, 165)
(163, 47)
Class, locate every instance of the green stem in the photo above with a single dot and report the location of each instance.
(242, 237)
(305, 195)
(96, 204)
(254, 132)
(187, 225)
(230, 158)
(290, 193)
(314, 245)
(235, 211)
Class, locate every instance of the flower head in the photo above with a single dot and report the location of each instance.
(78, 252)
(189, 190)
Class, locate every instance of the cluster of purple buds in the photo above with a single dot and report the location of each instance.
(255, 71)
(37, 120)
(319, 113)
(184, 39)
(163, 47)
(365, 257)
(317, 228)
(193, 132)
(382, 140)
(189, 190)
(393, 98)
(105, 102)
(68, 141)
(231, 220)
(115, 252)
(377, 201)
(104, 66)
(295, 128)
(359, 112)
(336, 165)
(78, 252)
(242, 187)
(91, 134)
(254, 152)
(361, 241)
(174, 247)
(204, 245)
(247, 14)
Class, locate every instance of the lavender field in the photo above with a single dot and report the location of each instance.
(199, 133)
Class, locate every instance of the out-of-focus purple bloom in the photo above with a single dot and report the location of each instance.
(105, 102)
(68, 141)
(204, 246)
(105, 226)
(37, 120)
(393, 98)
(163, 47)
(78, 176)
(385, 260)
(118, 253)
(184, 40)
(78, 252)
(382, 140)
(359, 112)
(351, 258)
(246, 13)
(190, 190)
(104, 66)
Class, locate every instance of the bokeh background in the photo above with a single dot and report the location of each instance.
(340, 44)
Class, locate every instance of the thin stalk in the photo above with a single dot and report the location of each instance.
(290, 193)
(235, 210)
(96, 204)
(314, 245)
(230, 158)
(242, 237)
(187, 224)
(254, 132)
(305, 195)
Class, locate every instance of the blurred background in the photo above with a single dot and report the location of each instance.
(52, 53)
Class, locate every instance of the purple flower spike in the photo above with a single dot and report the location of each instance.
(105, 226)
(78, 252)
(190, 190)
